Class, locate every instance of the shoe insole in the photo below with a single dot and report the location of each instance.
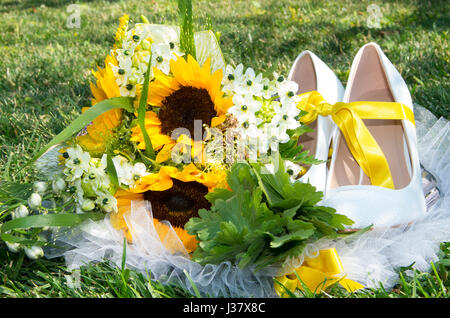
(304, 75)
(370, 84)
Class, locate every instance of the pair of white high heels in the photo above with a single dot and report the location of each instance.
(381, 136)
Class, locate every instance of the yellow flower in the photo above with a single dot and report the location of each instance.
(153, 128)
(120, 33)
(101, 129)
(175, 196)
(190, 93)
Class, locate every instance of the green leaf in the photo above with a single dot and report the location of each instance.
(43, 220)
(111, 170)
(12, 192)
(149, 151)
(293, 151)
(270, 183)
(187, 43)
(84, 119)
(241, 177)
(262, 220)
(217, 194)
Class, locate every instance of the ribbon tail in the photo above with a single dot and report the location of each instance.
(285, 284)
(350, 285)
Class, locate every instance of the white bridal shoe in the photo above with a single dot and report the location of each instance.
(348, 189)
(312, 74)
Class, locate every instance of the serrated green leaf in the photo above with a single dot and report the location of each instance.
(263, 220)
(217, 194)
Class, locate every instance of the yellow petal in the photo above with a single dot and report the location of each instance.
(165, 153)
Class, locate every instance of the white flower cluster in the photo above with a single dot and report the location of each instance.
(265, 109)
(293, 170)
(88, 180)
(133, 57)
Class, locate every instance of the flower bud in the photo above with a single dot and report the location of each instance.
(58, 185)
(88, 205)
(34, 252)
(13, 247)
(40, 187)
(146, 45)
(20, 212)
(35, 200)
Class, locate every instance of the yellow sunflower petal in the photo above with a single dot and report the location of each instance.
(216, 121)
(165, 153)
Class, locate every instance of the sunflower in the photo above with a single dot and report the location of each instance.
(190, 93)
(94, 138)
(175, 196)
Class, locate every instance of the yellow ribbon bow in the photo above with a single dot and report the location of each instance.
(349, 118)
(317, 274)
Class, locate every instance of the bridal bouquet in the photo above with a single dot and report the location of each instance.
(211, 146)
(194, 167)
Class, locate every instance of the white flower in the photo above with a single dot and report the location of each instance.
(138, 171)
(245, 107)
(87, 205)
(95, 177)
(249, 128)
(13, 247)
(40, 187)
(285, 117)
(292, 169)
(250, 84)
(107, 202)
(287, 91)
(123, 169)
(232, 78)
(76, 163)
(123, 57)
(161, 56)
(269, 89)
(35, 200)
(58, 185)
(269, 139)
(128, 173)
(34, 252)
(128, 90)
(20, 212)
(284, 121)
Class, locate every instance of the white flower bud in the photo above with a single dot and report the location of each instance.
(58, 185)
(35, 200)
(20, 212)
(34, 252)
(13, 247)
(40, 187)
(88, 205)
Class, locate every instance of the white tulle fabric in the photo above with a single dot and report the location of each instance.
(370, 258)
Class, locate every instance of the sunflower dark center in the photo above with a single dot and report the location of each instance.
(182, 107)
(178, 204)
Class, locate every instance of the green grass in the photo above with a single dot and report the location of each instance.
(44, 82)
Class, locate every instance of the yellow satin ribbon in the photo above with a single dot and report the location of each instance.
(317, 274)
(349, 118)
